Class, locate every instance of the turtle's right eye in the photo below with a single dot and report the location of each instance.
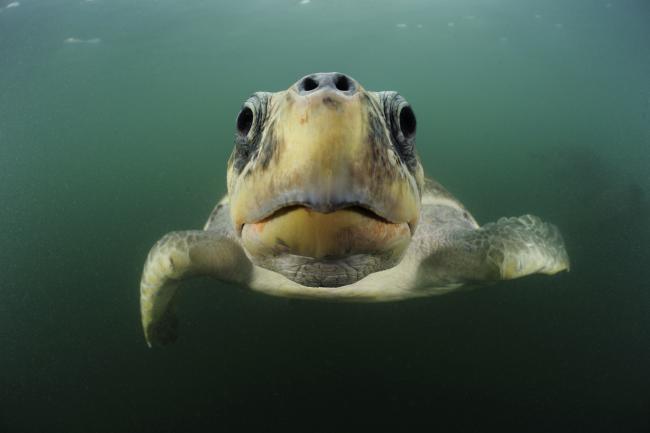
(249, 127)
(245, 121)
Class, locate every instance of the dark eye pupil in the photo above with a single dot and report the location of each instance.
(245, 121)
(407, 122)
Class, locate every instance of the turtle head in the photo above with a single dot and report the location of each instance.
(324, 181)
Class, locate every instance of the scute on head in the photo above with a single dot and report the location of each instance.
(319, 171)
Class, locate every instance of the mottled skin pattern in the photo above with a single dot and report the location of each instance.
(327, 200)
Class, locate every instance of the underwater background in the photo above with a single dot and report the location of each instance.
(116, 122)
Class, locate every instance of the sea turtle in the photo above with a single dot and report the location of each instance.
(327, 200)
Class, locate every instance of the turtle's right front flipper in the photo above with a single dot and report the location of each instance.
(180, 255)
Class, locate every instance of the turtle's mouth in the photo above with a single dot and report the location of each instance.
(325, 232)
(365, 211)
(264, 214)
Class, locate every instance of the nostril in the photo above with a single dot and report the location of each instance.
(308, 84)
(342, 83)
(331, 81)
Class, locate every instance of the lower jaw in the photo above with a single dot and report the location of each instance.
(338, 272)
(303, 232)
(325, 249)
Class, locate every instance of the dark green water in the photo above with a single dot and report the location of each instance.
(113, 138)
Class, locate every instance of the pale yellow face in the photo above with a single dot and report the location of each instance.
(319, 172)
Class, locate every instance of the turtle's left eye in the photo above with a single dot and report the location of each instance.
(407, 121)
(402, 126)
(400, 119)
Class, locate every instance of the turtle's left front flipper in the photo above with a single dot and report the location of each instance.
(180, 255)
(503, 250)
(522, 246)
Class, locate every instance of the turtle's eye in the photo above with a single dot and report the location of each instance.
(400, 119)
(252, 116)
(249, 125)
(402, 126)
(407, 122)
(245, 121)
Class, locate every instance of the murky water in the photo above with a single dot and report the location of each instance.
(116, 122)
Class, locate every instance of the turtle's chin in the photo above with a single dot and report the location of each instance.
(325, 249)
